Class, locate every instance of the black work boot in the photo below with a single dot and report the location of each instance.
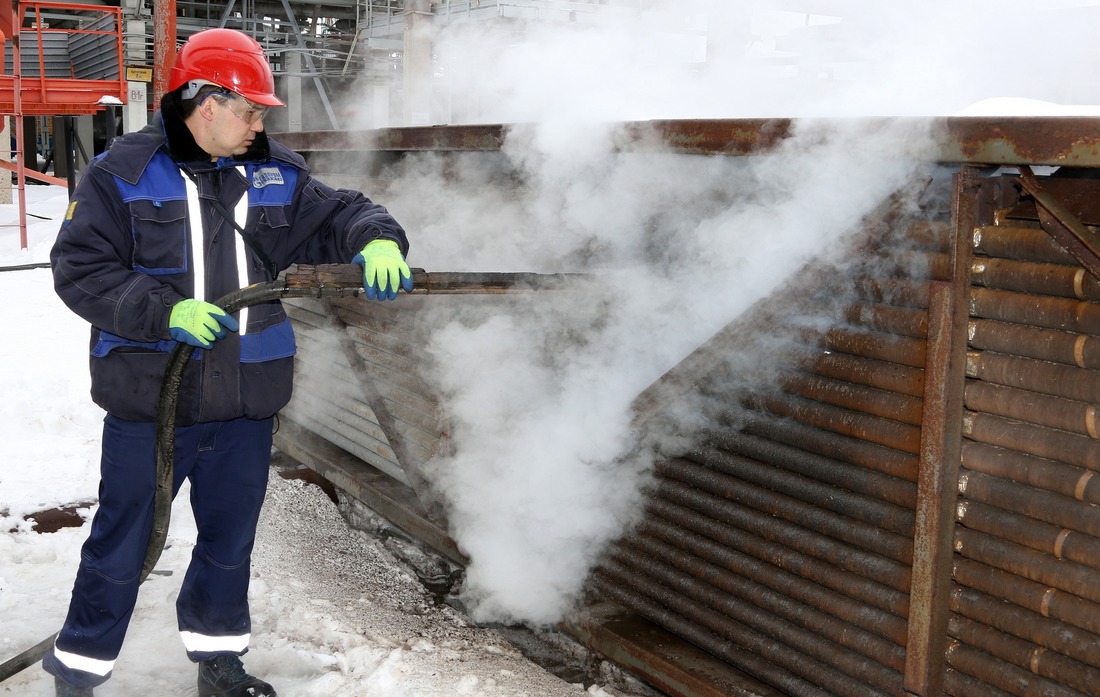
(64, 689)
(224, 676)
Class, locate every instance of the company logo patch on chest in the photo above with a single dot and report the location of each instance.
(263, 176)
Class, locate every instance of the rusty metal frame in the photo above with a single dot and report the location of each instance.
(940, 454)
(1055, 141)
(1066, 229)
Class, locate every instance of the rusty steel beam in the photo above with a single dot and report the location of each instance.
(866, 371)
(923, 235)
(910, 264)
(1009, 679)
(958, 683)
(901, 292)
(1041, 441)
(939, 454)
(1068, 576)
(750, 660)
(866, 659)
(1063, 225)
(436, 282)
(1040, 505)
(1071, 141)
(1059, 542)
(870, 456)
(664, 660)
(1032, 407)
(719, 586)
(874, 429)
(884, 347)
(890, 319)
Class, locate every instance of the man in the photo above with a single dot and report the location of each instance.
(150, 239)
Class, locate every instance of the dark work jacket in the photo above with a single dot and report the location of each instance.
(121, 261)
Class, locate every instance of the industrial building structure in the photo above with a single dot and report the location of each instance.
(903, 503)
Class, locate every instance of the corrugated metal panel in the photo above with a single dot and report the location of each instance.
(80, 55)
(55, 55)
(95, 56)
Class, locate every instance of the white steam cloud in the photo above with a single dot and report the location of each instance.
(538, 389)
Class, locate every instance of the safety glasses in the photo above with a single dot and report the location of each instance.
(250, 113)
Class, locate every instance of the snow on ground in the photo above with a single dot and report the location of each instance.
(335, 614)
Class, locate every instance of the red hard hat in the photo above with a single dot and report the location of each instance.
(228, 58)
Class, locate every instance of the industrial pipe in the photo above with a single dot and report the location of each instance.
(1010, 242)
(1058, 379)
(809, 463)
(722, 455)
(892, 434)
(1054, 345)
(1048, 475)
(770, 516)
(869, 456)
(1033, 407)
(1041, 311)
(1071, 611)
(1039, 278)
(784, 548)
(866, 400)
(689, 548)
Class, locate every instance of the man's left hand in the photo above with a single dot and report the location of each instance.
(384, 270)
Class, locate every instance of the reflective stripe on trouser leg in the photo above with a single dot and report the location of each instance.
(111, 559)
(228, 483)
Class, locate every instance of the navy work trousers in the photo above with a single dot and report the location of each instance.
(227, 465)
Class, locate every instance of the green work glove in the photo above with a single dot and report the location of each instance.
(198, 323)
(383, 269)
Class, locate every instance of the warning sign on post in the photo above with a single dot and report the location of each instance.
(139, 74)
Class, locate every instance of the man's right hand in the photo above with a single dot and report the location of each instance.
(199, 323)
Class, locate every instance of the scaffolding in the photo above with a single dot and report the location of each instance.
(58, 59)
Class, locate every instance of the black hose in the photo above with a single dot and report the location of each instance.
(26, 267)
(169, 395)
